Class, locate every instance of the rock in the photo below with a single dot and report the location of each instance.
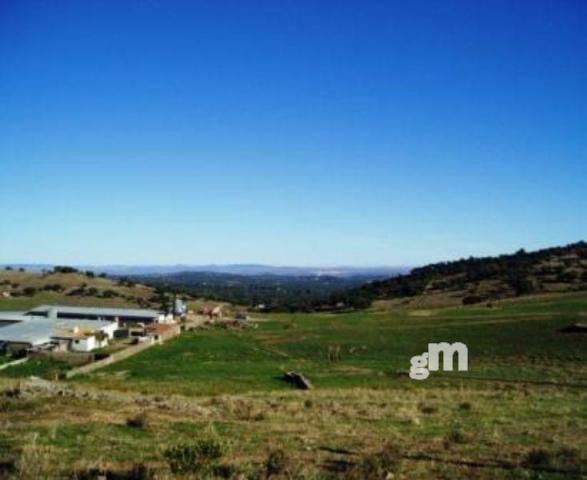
(298, 380)
(575, 328)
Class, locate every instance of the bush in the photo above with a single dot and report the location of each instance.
(110, 294)
(523, 285)
(64, 269)
(198, 457)
(537, 457)
(139, 421)
(427, 409)
(29, 291)
(377, 465)
(54, 287)
(471, 299)
(277, 463)
(227, 471)
(77, 292)
(456, 435)
(565, 458)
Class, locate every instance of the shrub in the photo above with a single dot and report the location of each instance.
(201, 456)
(13, 404)
(377, 465)
(54, 287)
(139, 421)
(77, 292)
(140, 471)
(570, 459)
(277, 462)
(427, 409)
(29, 291)
(457, 435)
(227, 471)
(537, 457)
(565, 458)
(64, 269)
(471, 299)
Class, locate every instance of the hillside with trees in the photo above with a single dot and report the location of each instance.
(268, 293)
(476, 280)
(21, 289)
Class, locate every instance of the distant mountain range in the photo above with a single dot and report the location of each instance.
(235, 269)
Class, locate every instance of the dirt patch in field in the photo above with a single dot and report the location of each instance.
(421, 313)
(355, 370)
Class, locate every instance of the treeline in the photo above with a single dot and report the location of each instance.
(270, 293)
(520, 273)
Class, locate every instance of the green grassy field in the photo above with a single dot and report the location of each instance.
(513, 341)
(519, 413)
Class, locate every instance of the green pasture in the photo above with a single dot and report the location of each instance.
(517, 341)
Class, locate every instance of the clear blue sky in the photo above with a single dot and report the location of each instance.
(290, 132)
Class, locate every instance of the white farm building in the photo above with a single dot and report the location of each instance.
(122, 315)
(80, 329)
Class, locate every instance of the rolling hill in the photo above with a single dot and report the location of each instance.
(22, 289)
(477, 280)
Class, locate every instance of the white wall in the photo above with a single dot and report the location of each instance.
(110, 329)
(86, 344)
(165, 318)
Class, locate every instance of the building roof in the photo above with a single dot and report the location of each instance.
(35, 330)
(12, 317)
(98, 311)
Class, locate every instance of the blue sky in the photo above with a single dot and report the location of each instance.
(290, 132)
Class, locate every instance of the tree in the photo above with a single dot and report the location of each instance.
(471, 299)
(64, 269)
(110, 294)
(29, 291)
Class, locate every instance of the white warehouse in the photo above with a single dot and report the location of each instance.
(80, 329)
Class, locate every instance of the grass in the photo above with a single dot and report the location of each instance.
(516, 341)
(67, 281)
(38, 368)
(6, 358)
(503, 431)
(51, 298)
(519, 413)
